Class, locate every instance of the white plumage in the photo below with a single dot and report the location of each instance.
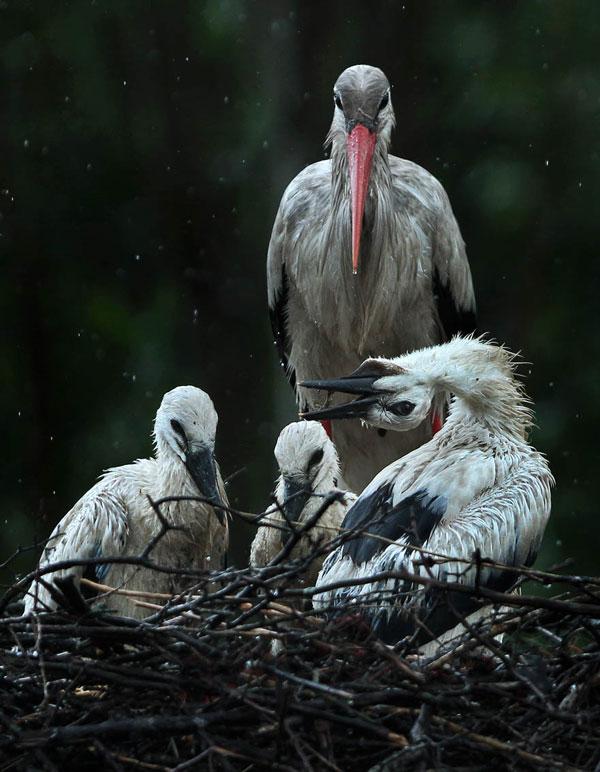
(309, 468)
(115, 517)
(477, 485)
(413, 287)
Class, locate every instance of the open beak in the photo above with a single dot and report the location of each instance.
(358, 408)
(360, 145)
(201, 464)
(295, 496)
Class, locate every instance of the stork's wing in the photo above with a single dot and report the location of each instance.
(504, 525)
(278, 291)
(291, 247)
(378, 523)
(452, 282)
(95, 527)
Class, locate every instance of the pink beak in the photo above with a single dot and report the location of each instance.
(359, 146)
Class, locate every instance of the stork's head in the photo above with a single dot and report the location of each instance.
(363, 118)
(388, 396)
(307, 460)
(185, 427)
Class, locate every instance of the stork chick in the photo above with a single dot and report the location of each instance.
(476, 487)
(115, 517)
(309, 468)
(366, 258)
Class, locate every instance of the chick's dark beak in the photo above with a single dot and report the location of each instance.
(352, 384)
(296, 493)
(201, 464)
(359, 408)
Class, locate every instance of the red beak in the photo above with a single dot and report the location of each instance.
(359, 146)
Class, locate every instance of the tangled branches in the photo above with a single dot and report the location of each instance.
(241, 674)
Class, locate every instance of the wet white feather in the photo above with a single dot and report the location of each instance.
(495, 485)
(296, 445)
(115, 517)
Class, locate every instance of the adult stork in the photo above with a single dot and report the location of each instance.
(365, 258)
(308, 472)
(476, 487)
(116, 518)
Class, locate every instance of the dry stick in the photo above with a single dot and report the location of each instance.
(398, 662)
(313, 685)
(504, 747)
(491, 742)
(131, 593)
(385, 734)
(462, 648)
(142, 764)
(125, 727)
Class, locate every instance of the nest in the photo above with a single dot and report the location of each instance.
(242, 674)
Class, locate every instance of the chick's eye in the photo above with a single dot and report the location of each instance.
(384, 102)
(177, 428)
(338, 101)
(402, 408)
(316, 457)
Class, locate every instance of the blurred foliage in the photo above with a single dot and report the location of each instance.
(145, 146)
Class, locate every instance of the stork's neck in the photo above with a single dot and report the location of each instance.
(173, 479)
(481, 378)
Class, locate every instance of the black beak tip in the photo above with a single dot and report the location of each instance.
(310, 384)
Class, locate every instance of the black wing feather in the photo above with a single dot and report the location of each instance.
(279, 324)
(414, 518)
(453, 318)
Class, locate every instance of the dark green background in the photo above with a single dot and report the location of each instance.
(144, 147)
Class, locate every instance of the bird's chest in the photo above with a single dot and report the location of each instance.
(386, 309)
(180, 546)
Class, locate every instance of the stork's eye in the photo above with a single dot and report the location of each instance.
(384, 102)
(316, 458)
(338, 101)
(177, 428)
(401, 408)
